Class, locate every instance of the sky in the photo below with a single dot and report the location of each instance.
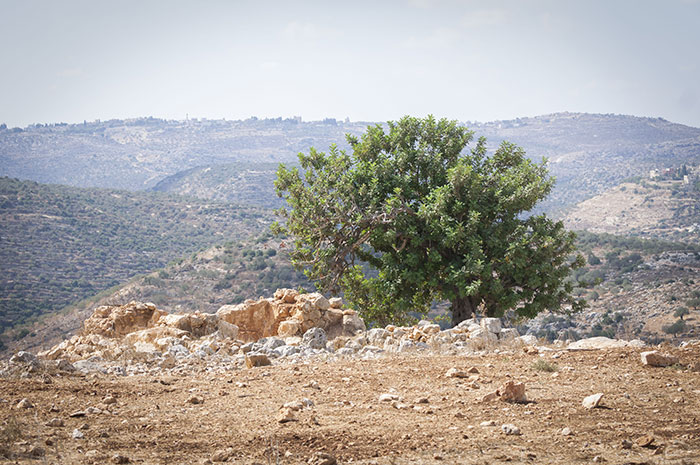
(481, 60)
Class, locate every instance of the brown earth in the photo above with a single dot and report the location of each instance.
(152, 421)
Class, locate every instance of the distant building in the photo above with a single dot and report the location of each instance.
(653, 174)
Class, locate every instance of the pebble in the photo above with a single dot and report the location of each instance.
(487, 423)
(286, 415)
(77, 434)
(566, 431)
(55, 422)
(510, 429)
(25, 403)
(195, 400)
(387, 397)
(322, 458)
(222, 455)
(120, 459)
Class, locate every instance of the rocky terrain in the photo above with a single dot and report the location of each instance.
(140, 386)
(668, 210)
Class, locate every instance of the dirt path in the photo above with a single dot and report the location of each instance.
(435, 420)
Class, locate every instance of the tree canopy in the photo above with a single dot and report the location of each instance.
(415, 214)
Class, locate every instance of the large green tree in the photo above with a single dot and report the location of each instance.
(416, 214)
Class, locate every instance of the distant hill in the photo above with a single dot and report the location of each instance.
(216, 159)
(666, 210)
(60, 244)
(243, 183)
(137, 154)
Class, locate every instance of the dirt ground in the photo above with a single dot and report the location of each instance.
(436, 419)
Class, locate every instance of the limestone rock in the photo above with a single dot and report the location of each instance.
(117, 321)
(492, 325)
(655, 359)
(322, 458)
(510, 429)
(24, 404)
(455, 373)
(222, 455)
(512, 392)
(256, 360)
(315, 338)
(592, 401)
(598, 342)
(286, 415)
(255, 319)
(336, 302)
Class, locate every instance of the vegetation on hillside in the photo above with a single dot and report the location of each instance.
(61, 244)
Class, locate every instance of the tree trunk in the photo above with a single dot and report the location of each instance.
(462, 308)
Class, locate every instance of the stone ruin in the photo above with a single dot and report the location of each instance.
(117, 332)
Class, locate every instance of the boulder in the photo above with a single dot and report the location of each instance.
(492, 325)
(598, 342)
(655, 359)
(255, 319)
(512, 392)
(592, 401)
(158, 337)
(117, 321)
(315, 338)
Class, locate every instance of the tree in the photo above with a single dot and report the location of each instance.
(694, 302)
(675, 328)
(681, 312)
(413, 215)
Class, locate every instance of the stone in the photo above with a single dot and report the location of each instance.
(77, 434)
(24, 358)
(77, 414)
(315, 338)
(336, 302)
(227, 330)
(487, 424)
(120, 459)
(598, 342)
(528, 340)
(322, 458)
(289, 328)
(25, 403)
(109, 400)
(566, 431)
(489, 397)
(655, 359)
(55, 422)
(195, 400)
(508, 334)
(592, 401)
(510, 429)
(286, 415)
(455, 373)
(37, 452)
(256, 360)
(388, 397)
(376, 336)
(118, 321)
(492, 325)
(512, 392)
(222, 455)
(255, 319)
(645, 441)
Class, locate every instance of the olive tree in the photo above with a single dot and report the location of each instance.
(416, 212)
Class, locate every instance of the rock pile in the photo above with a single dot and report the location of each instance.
(289, 327)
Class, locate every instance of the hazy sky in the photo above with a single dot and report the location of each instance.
(69, 61)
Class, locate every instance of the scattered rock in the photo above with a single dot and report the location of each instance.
(566, 431)
(512, 392)
(489, 397)
(387, 397)
(322, 458)
(256, 360)
(592, 401)
(455, 373)
(25, 403)
(195, 400)
(78, 414)
(55, 422)
(655, 359)
(598, 342)
(315, 338)
(109, 400)
(77, 434)
(645, 441)
(488, 423)
(222, 455)
(286, 415)
(120, 459)
(510, 429)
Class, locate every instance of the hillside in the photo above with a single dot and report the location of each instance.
(634, 288)
(242, 183)
(60, 244)
(663, 209)
(136, 154)
(588, 153)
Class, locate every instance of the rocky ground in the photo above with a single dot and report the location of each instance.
(392, 409)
